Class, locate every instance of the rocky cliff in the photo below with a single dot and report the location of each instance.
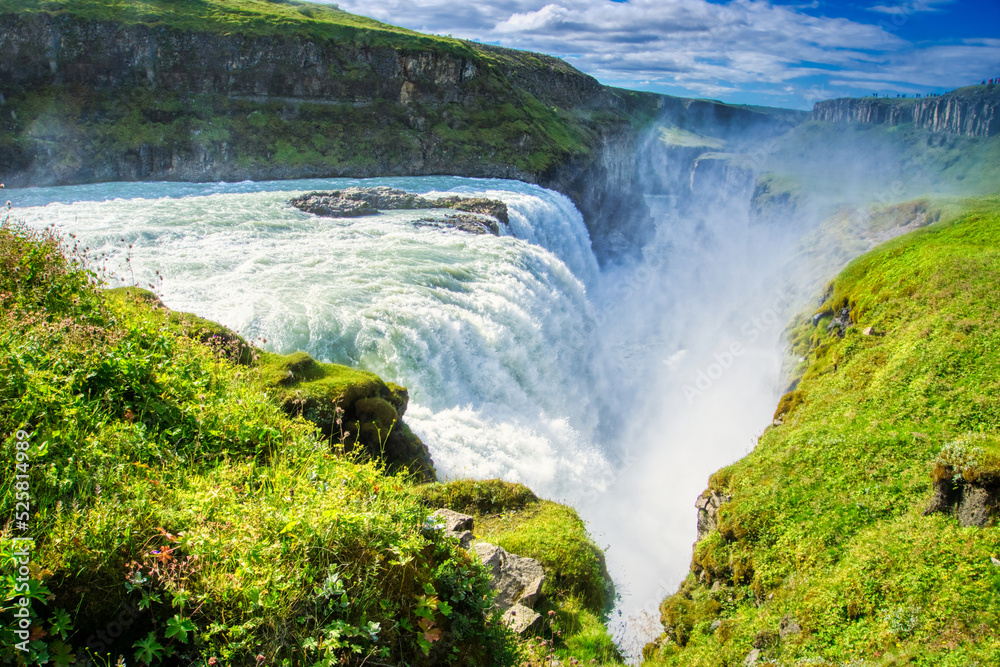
(218, 90)
(973, 111)
(94, 99)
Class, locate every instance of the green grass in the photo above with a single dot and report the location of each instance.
(179, 513)
(826, 524)
(245, 17)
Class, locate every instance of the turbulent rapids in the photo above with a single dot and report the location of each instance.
(492, 336)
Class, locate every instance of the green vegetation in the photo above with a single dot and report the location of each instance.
(826, 531)
(351, 407)
(241, 137)
(577, 590)
(168, 490)
(125, 126)
(248, 17)
(179, 514)
(675, 136)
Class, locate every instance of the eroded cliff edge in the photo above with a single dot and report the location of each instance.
(98, 99)
(182, 94)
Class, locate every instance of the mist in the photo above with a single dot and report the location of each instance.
(692, 332)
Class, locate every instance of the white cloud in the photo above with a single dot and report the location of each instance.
(702, 48)
(907, 7)
(548, 16)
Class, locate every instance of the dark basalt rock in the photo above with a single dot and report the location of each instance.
(973, 503)
(840, 323)
(467, 223)
(491, 207)
(352, 202)
(333, 206)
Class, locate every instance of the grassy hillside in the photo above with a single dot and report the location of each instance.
(826, 531)
(249, 17)
(179, 516)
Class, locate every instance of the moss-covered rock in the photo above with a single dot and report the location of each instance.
(966, 479)
(351, 407)
(513, 517)
(224, 340)
(478, 497)
(577, 591)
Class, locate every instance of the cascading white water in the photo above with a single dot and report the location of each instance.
(492, 336)
(523, 360)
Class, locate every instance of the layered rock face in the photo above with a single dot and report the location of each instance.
(972, 112)
(44, 50)
(376, 109)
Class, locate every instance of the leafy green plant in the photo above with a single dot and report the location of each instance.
(148, 650)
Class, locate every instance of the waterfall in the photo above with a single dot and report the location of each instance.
(493, 336)
(618, 391)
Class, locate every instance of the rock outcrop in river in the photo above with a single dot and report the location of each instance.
(482, 215)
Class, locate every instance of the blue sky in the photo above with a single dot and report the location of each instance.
(780, 53)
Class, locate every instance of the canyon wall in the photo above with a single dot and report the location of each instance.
(973, 111)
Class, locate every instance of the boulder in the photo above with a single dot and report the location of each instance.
(453, 521)
(974, 502)
(456, 525)
(752, 657)
(352, 407)
(385, 198)
(520, 619)
(516, 579)
(493, 208)
(483, 215)
(472, 224)
(465, 538)
(333, 205)
(841, 323)
(788, 626)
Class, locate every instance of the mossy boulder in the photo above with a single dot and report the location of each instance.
(478, 497)
(351, 407)
(224, 340)
(966, 480)
(511, 516)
